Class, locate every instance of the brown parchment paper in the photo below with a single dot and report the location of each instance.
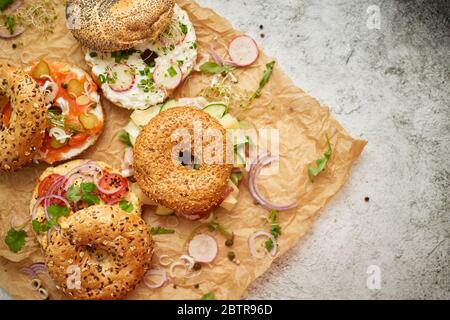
(302, 124)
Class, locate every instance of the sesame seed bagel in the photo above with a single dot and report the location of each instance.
(21, 136)
(190, 192)
(123, 237)
(107, 26)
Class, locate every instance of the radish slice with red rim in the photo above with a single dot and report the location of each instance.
(203, 248)
(123, 77)
(243, 51)
(167, 75)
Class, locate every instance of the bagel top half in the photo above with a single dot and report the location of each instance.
(106, 26)
(23, 120)
(166, 180)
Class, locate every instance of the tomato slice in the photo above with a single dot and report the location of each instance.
(45, 184)
(77, 139)
(111, 181)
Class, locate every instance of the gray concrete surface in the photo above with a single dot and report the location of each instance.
(391, 87)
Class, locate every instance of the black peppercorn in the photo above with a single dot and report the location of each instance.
(197, 266)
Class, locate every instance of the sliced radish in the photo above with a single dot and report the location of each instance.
(243, 51)
(167, 75)
(203, 248)
(123, 76)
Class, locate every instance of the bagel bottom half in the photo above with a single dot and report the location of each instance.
(101, 252)
(190, 192)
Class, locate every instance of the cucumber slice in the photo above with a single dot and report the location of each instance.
(216, 110)
(229, 122)
(162, 211)
(142, 117)
(168, 105)
(239, 159)
(133, 130)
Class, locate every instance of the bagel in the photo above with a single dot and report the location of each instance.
(148, 73)
(106, 26)
(74, 113)
(108, 248)
(191, 193)
(23, 117)
(70, 172)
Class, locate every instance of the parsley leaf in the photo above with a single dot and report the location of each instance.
(161, 230)
(10, 22)
(211, 67)
(321, 163)
(4, 4)
(269, 245)
(125, 138)
(84, 192)
(54, 212)
(208, 296)
(126, 206)
(15, 239)
(264, 80)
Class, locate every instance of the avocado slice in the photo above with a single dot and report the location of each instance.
(216, 110)
(142, 117)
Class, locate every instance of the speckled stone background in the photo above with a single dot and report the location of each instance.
(391, 87)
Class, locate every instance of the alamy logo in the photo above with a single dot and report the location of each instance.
(373, 281)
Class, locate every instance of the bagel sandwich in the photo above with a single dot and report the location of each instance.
(68, 188)
(74, 113)
(146, 73)
(190, 189)
(23, 117)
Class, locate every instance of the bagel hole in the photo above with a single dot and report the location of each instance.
(97, 254)
(188, 160)
(149, 56)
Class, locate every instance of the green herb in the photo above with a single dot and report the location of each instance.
(146, 84)
(15, 239)
(172, 72)
(126, 206)
(208, 296)
(183, 28)
(54, 212)
(55, 118)
(275, 228)
(161, 230)
(269, 245)
(85, 192)
(125, 138)
(321, 163)
(92, 54)
(122, 55)
(264, 80)
(180, 62)
(211, 67)
(4, 4)
(102, 78)
(10, 22)
(193, 45)
(214, 226)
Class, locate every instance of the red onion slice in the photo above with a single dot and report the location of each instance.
(255, 169)
(39, 200)
(155, 272)
(252, 247)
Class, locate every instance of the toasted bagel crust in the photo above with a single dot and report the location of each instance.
(191, 193)
(126, 239)
(106, 26)
(22, 138)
